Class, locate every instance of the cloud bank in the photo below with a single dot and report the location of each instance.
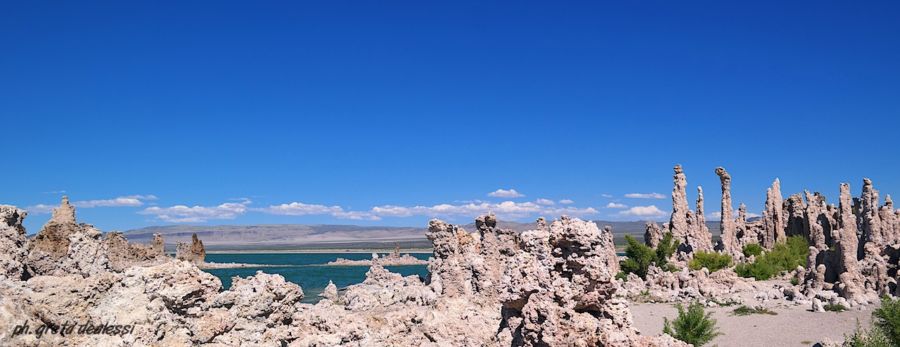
(506, 193)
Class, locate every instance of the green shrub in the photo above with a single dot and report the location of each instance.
(746, 311)
(783, 257)
(712, 261)
(835, 308)
(693, 325)
(639, 257)
(753, 249)
(665, 249)
(887, 319)
(874, 337)
(795, 281)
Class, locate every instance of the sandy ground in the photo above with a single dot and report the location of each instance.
(794, 326)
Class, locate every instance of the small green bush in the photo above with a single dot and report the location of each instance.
(665, 249)
(874, 337)
(753, 249)
(795, 281)
(693, 325)
(746, 311)
(887, 319)
(639, 257)
(712, 261)
(783, 257)
(835, 308)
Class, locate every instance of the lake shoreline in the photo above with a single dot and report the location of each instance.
(316, 251)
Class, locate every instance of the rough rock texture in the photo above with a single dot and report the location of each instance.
(795, 215)
(678, 223)
(686, 286)
(63, 246)
(773, 217)
(193, 252)
(687, 228)
(12, 243)
(702, 238)
(123, 255)
(653, 234)
(174, 303)
(559, 291)
(391, 259)
(729, 242)
(846, 246)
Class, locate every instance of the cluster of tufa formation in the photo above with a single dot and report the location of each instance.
(552, 286)
(193, 252)
(854, 246)
(391, 259)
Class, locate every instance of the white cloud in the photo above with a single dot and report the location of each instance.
(503, 210)
(566, 202)
(197, 214)
(509, 210)
(606, 195)
(644, 211)
(506, 193)
(616, 205)
(645, 196)
(40, 209)
(122, 201)
(302, 209)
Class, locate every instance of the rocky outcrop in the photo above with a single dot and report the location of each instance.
(653, 234)
(701, 238)
(63, 246)
(774, 217)
(12, 243)
(678, 222)
(123, 255)
(174, 303)
(390, 259)
(193, 252)
(850, 279)
(729, 243)
(559, 290)
(688, 229)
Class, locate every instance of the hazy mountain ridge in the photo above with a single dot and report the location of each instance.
(281, 236)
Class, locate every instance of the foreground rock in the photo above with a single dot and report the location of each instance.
(468, 300)
(12, 244)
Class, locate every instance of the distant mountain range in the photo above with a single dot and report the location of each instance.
(300, 236)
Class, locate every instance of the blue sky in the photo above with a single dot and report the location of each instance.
(394, 112)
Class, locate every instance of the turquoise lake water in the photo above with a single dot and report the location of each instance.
(307, 269)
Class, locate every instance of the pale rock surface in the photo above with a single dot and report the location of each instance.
(193, 252)
(774, 216)
(12, 243)
(653, 234)
(729, 242)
